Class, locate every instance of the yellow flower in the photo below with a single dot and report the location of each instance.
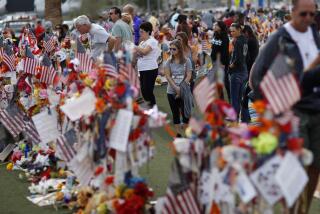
(88, 81)
(108, 84)
(9, 166)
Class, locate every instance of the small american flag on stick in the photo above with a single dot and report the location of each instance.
(65, 145)
(48, 73)
(205, 92)
(48, 43)
(85, 60)
(184, 202)
(30, 63)
(128, 72)
(280, 86)
(31, 132)
(109, 65)
(8, 57)
(12, 119)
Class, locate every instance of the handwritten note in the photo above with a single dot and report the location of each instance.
(245, 188)
(263, 178)
(83, 169)
(205, 188)
(46, 124)
(120, 132)
(84, 105)
(291, 178)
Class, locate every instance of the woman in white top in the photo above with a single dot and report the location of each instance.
(148, 53)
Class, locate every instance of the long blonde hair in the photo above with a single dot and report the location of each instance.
(179, 47)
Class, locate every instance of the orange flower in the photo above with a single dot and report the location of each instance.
(128, 193)
(100, 105)
(259, 106)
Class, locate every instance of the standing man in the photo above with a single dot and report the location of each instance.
(98, 35)
(208, 19)
(301, 43)
(136, 22)
(120, 30)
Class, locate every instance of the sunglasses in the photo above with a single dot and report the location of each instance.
(173, 49)
(111, 13)
(304, 14)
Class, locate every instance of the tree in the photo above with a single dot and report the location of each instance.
(53, 11)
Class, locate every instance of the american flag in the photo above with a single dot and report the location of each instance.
(65, 145)
(128, 72)
(12, 119)
(48, 43)
(109, 65)
(8, 57)
(31, 132)
(184, 202)
(205, 92)
(85, 60)
(280, 86)
(30, 63)
(48, 73)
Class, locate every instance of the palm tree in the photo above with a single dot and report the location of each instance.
(53, 11)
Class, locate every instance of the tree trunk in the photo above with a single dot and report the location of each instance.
(53, 11)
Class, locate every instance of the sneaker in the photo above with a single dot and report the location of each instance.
(317, 194)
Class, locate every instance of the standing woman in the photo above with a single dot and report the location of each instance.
(253, 46)
(177, 70)
(238, 73)
(220, 46)
(148, 53)
(183, 38)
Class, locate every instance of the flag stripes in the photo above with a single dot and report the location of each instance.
(129, 73)
(47, 74)
(30, 66)
(183, 202)
(31, 132)
(13, 122)
(66, 148)
(49, 44)
(204, 93)
(85, 62)
(282, 92)
(110, 70)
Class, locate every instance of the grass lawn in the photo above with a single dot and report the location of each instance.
(13, 191)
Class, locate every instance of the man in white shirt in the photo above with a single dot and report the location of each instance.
(99, 37)
(301, 42)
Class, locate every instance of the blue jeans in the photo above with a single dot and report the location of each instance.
(237, 82)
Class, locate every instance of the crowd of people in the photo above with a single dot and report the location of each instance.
(185, 47)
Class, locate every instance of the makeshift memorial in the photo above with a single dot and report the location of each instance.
(229, 167)
(65, 107)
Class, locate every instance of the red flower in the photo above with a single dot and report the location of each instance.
(120, 90)
(38, 75)
(295, 144)
(134, 205)
(286, 128)
(142, 190)
(109, 180)
(98, 171)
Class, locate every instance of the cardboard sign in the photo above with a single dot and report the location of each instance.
(291, 178)
(264, 179)
(120, 131)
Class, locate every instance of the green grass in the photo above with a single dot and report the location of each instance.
(13, 191)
